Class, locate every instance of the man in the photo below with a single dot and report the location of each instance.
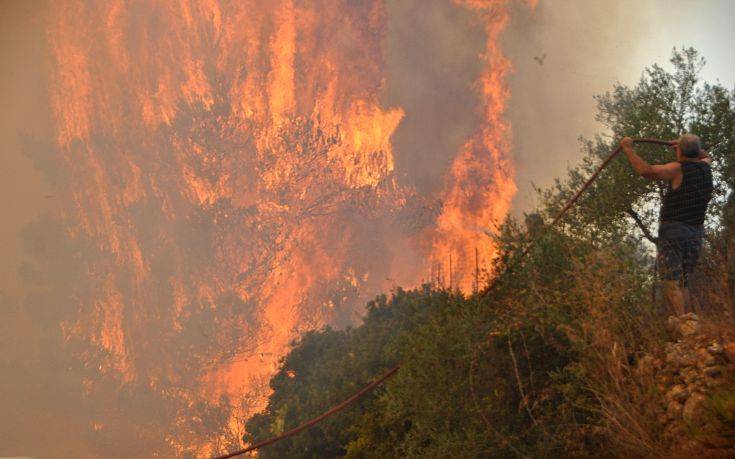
(682, 213)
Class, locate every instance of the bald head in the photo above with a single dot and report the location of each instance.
(690, 145)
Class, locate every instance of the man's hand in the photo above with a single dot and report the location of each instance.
(626, 143)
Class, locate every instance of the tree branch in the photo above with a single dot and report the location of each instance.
(642, 226)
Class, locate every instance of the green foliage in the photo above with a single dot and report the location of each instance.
(499, 375)
(327, 367)
(540, 365)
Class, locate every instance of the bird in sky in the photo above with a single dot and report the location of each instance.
(540, 60)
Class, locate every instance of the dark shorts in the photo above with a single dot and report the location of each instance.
(679, 246)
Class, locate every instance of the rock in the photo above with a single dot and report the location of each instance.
(713, 382)
(705, 358)
(713, 372)
(685, 325)
(680, 357)
(690, 327)
(677, 393)
(715, 348)
(689, 316)
(668, 373)
(692, 388)
(690, 375)
(694, 407)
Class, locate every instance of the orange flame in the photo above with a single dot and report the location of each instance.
(480, 185)
(223, 160)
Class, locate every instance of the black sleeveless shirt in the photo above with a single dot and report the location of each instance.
(688, 203)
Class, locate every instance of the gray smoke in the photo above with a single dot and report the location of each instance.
(585, 47)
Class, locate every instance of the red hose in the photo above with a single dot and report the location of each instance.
(604, 164)
(570, 203)
(357, 395)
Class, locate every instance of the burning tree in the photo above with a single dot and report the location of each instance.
(227, 181)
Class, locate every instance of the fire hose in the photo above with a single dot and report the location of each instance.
(368, 388)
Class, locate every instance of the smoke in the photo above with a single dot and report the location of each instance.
(432, 66)
(23, 84)
(35, 389)
(586, 47)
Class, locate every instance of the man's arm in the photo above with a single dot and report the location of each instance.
(655, 172)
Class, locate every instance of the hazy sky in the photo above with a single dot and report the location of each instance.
(591, 45)
(707, 25)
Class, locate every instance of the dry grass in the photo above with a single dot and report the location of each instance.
(614, 332)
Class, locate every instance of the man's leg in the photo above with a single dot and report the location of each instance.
(690, 259)
(670, 267)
